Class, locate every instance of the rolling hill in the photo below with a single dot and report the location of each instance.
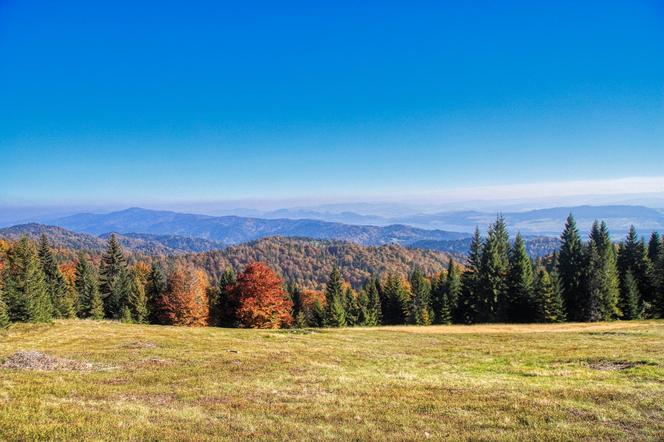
(235, 230)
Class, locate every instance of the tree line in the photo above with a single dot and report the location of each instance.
(590, 280)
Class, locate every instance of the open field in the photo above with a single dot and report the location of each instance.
(496, 382)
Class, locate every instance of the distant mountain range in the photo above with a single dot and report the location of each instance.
(547, 222)
(229, 230)
(134, 242)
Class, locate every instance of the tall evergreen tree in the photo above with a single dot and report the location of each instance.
(86, 286)
(154, 289)
(295, 294)
(548, 298)
(521, 305)
(373, 314)
(439, 303)
(453, 287)
(112, 265)
(629, 301)
(570, 270)
(420, 312)
(63, 305)
(601, 277)
(493, 273)
(633, 256)
(467, 307)
(655, 247)
(121, 291)
(26, 293)
(335, 313)
(396, 300)
(4, 312)
(228, 303)
(137, 301)
(351, 307)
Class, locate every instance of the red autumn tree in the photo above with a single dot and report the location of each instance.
(262, 300)
(185, 302)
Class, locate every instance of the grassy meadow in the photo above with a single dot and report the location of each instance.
(600, 381)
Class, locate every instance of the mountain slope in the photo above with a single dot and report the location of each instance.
(235, 229)
(139, 243)
(309, 261)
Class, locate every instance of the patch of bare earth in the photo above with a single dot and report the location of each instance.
(35, 360)
(609, 365)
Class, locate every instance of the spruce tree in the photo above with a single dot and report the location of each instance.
(295, 295)
(55, 281)
(493, 273)
(224, 314)
(548, 298)
(112, 264)
(4, 313)
(373, 315)
(26, 293)
(603, 286)
(439, 297)
(655, 247)
(570, 270)
(351, 307)
(96, 308)
(453, 287)
(521, 306)
(467, 307)
(121, 291)
(154, 288)
(335, 313)
(629, 302)
(86, 286)
(137, 301)
(633, 256)
(420, 312)
(396, 300)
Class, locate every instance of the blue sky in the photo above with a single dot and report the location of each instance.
(120, 102)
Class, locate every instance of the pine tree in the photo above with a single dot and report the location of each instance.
(125, 315)
(4, 313)
(439, 303)
(633, 256)
(137, 301)
(86, 287)
(604, 285)
(521, 307)
(396, 300)
(96, 308)
(570, 270)
(121, 289)
(453, 287)
(335, 313)
(26, 293)
(295, 295)
(55, 281)
(493, 273)
(420, 312)
(548, 298)
(224, 314)
(655, 247)
(317, 315)
(154, 289)
(629, 302)
(373, 315)
(467, 307)
(351, 307)
(112, 265)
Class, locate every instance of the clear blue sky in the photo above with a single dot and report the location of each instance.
(121, 101)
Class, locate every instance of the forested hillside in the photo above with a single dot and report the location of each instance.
(309, 262)
(281, 282)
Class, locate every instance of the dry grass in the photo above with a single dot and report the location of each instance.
(497, 382)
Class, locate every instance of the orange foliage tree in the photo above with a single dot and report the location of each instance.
(262, 300)
(185, 301)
